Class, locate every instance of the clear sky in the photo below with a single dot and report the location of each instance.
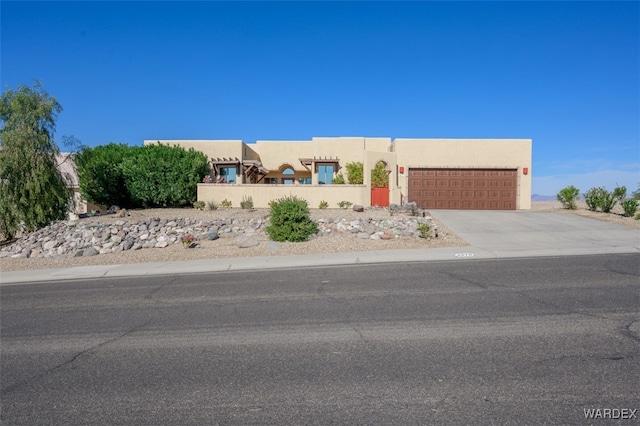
(565, 74)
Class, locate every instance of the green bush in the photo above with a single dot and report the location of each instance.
(630, 207)
(339, 179)
(608, 200)
(593, 198)
(290, 220)
(164, 176)
(100, 174)
(323, 205)
(345, 204)
(355, 173)
(379, 176)
(212, 205)
(568, 196)
(199, 205)
(425, 230)
(246, 203)
(226, 203)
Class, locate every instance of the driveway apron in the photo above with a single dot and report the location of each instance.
(526, 233)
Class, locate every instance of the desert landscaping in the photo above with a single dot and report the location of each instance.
(340, 231)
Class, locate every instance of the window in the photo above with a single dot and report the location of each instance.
(271, 180)
(228, 174)
(305, 181)
(288, 176)
(325, 173)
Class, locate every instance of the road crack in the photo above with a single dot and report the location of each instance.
(73, 359)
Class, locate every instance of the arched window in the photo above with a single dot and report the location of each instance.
(288, 176)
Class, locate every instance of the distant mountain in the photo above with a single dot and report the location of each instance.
(538, 197)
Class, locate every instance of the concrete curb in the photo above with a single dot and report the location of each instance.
(464, 253)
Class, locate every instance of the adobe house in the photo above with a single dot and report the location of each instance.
(479, 174)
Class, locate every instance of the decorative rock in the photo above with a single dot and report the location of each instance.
(91, 251)
(50, 244)
(127, 244)
(358, 208)
(246, 242)
(66, 239)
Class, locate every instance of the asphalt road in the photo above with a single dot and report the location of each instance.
(508, 341)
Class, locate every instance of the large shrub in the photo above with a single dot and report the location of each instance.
(568, 196)
(100, 174)
(164, 176)
(290, 220)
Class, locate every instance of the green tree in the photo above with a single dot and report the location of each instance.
(379, 176)
(355, 173)
(100, 175)
(33, 193)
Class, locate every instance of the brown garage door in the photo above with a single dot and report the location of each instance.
(468, 189)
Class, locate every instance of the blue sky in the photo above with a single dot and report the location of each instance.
(565, 74)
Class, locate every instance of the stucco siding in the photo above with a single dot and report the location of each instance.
(263, 194)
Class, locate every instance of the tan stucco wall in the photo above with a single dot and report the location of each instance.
(263, 194)
(468, 153)
(402, 152)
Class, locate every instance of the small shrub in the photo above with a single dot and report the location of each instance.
(339, 179)
(608, 200)
(290, 220)
(568, 196)
(425, 230)
(345, 204)
(212, 205)
(593, 198)
(187, 240)
(246, 203)
(226, 203)
(198, 205)
(323, 204)
(638, 216)
(630, 207)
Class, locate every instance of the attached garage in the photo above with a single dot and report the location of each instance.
(463, 189)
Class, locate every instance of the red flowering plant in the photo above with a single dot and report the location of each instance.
(187, 240)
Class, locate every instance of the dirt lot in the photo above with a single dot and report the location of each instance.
(616, 217)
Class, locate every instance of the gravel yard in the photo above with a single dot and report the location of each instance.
(225, 248)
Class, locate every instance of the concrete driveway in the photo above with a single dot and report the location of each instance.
(526, 233)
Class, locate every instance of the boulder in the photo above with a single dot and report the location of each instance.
(247, 241)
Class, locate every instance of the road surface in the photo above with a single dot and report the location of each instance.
(507, 341)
